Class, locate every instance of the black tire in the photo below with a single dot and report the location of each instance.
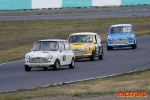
(101, 56)
(92, 57)
(134, 45)
(109, 48)
(27, 68)
(72, 64)
(76, 59)
(45, 68)
(56, 64)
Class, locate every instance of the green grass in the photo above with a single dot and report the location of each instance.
(128, 82)
(17, 37)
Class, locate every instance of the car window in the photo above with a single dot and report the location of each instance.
(62, 47)
(98, 38)
(120, 29)
(67, 46)
(36, 47)
(54, 46)
(95, 38)
(46, 46)
(80, 38)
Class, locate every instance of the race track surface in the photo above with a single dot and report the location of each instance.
(13, 76)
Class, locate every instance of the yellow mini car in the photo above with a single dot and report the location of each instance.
(86, 45)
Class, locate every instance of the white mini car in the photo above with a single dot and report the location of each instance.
(50, 53)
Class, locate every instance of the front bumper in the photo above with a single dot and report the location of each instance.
(120, 45)
(120, 42)
(39, 64)
(83, 56)
(81, 53)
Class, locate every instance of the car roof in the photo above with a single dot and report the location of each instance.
(84, 33)
(52, 40)
(121, 25)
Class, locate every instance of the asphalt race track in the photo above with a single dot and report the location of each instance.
(13, 76)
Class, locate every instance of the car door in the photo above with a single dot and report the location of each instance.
(63, 55)
(69, 53)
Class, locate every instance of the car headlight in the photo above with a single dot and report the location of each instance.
(131, 36)
(49, 56)
(27, 56)
(110, 38)
(87, 48)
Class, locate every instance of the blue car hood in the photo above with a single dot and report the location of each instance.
(120, 35)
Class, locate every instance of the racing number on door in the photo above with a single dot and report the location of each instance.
(64, 57)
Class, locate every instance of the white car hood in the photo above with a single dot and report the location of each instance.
(42, 53)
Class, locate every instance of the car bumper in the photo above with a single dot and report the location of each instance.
(83, 56)
(121, 45)
(81, 53)
(39, 64)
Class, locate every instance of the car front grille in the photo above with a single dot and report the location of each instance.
(38, 60)
(79, 52)
(120, 41)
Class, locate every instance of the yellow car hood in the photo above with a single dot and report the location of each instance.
(78, 45)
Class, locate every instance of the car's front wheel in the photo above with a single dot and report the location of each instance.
(92, 57)
(56, 64)
(109, 47)
(134, 45)
(45, 68)
(27, 68)
(72, 64)
(101, 56)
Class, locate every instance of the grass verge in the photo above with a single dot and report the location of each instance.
(128, 82)
(17, 37)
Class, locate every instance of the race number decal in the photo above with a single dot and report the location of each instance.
(64, 57)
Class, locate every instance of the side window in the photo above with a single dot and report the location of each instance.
(62, 47)
(36, 46)
(95, 38)
(67, 46)
(98, 38)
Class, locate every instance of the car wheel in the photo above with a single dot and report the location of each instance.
(136, 45)
(92, 57)
(76, 59)
(72, 64)
(45, 68)
(133, 45)
(56, 64)
(109, 48)
(101, 56)
(27, 68)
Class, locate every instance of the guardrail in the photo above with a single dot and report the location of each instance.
(40, 4)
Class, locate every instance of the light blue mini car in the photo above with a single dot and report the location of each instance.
(121, 35)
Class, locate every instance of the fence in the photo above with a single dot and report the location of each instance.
(40, 4)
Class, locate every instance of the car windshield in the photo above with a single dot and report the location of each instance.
(80, 38)
(46, 46)
(120, 29)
